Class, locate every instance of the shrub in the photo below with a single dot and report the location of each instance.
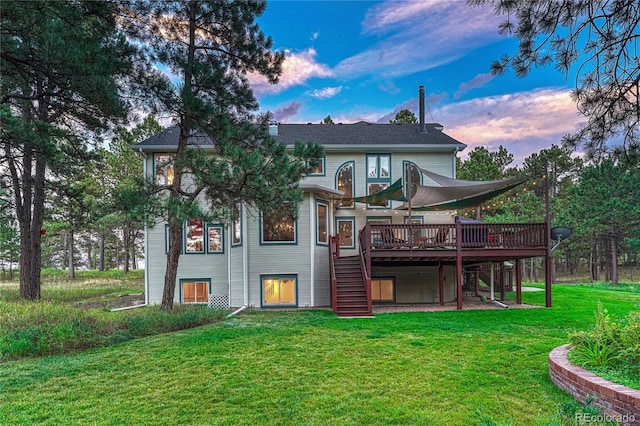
(610, 343)
(45, 328)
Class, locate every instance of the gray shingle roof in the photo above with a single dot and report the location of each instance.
(360, 134)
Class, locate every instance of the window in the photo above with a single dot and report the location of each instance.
(317, 167)
(279, 290)
(378, 175)
(416, 234)
(194, 291)
(382, 289)
(344, 183)
(322, 223)
(278, 228)
(163, 168)
(411, 171)
(345, 228)
(194, 236)
(236, 225)
(215, 239)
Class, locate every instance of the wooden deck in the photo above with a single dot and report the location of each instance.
(445, 242)
(459, 244)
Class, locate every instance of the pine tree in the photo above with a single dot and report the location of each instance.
(212, 46)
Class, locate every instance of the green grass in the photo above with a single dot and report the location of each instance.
(62, 322)
(309, 367)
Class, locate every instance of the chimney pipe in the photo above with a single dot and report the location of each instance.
(423, 128)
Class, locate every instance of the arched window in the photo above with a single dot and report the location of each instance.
(411, 171)
(344, 183)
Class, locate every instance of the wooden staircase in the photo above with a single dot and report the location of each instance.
(351, 294)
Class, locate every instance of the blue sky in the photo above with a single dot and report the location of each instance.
(365, 60)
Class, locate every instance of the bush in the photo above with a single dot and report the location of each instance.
(45, 328)
(609, 344)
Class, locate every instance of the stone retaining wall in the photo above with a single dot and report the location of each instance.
(616, 402)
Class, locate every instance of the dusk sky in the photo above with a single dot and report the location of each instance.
(365, 60)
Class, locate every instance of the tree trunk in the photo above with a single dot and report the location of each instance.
(71, 250)
(614, 259)
(90, 262)
(126, 237)
(101, 254)
(173, 257)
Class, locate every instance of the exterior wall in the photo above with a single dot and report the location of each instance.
(204, 266)
(419, 284)
(238, 271)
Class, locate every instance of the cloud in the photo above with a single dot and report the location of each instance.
(524, 122)
(287, 112)
(326, 93)
(477, 81)
(419, 36)
(297, 69)
(389, 87)
(315, 35)
(412, 105)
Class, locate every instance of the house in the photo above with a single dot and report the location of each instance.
(385, 252)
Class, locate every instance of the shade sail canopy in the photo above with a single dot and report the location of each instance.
(445, 194)
(394, 192)
(449, 193)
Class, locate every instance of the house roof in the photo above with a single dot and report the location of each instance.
(332, 136)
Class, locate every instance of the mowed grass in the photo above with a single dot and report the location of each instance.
(309, 367)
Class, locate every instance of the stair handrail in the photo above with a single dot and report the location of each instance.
(334, 252)
(365, 273)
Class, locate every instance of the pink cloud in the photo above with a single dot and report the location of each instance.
(477, 81)
(297, 69)
(285, 113)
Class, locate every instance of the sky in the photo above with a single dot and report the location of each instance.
(365, 60)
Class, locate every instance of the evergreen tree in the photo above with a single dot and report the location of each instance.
(62, 66)
(212, 46)
(404, 116)
(599, 38)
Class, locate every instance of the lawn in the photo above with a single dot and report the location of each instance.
(309, 367)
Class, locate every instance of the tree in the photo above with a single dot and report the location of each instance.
(212, 46)
(327, 120)
(606, 207)
(126, 204)
(598, 38)
(404, 116)
(62, 66)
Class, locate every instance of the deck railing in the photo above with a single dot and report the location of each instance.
(444, 236)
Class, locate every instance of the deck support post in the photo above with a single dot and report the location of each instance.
(519, 281)
(459, 262)
(503, 281)
(441, 282)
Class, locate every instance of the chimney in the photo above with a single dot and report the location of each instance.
(423, 128)
(273, 128)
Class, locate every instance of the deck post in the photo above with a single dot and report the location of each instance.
(519, 281)
(459, 262)
(503, 281)
(441, 282)
(547, 258)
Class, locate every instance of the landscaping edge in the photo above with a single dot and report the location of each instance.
(617, 403)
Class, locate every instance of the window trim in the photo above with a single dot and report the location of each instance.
(194, 280)
(395, 287)
(377, 179)
(166, 240)
(221, 228)
(185, 226)
(272, 243)
(154, 162)
(277, 276)
(320, 202)
(239, 220)
(351, 219)
(323, 162)
(353, 183)
(404, 173)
